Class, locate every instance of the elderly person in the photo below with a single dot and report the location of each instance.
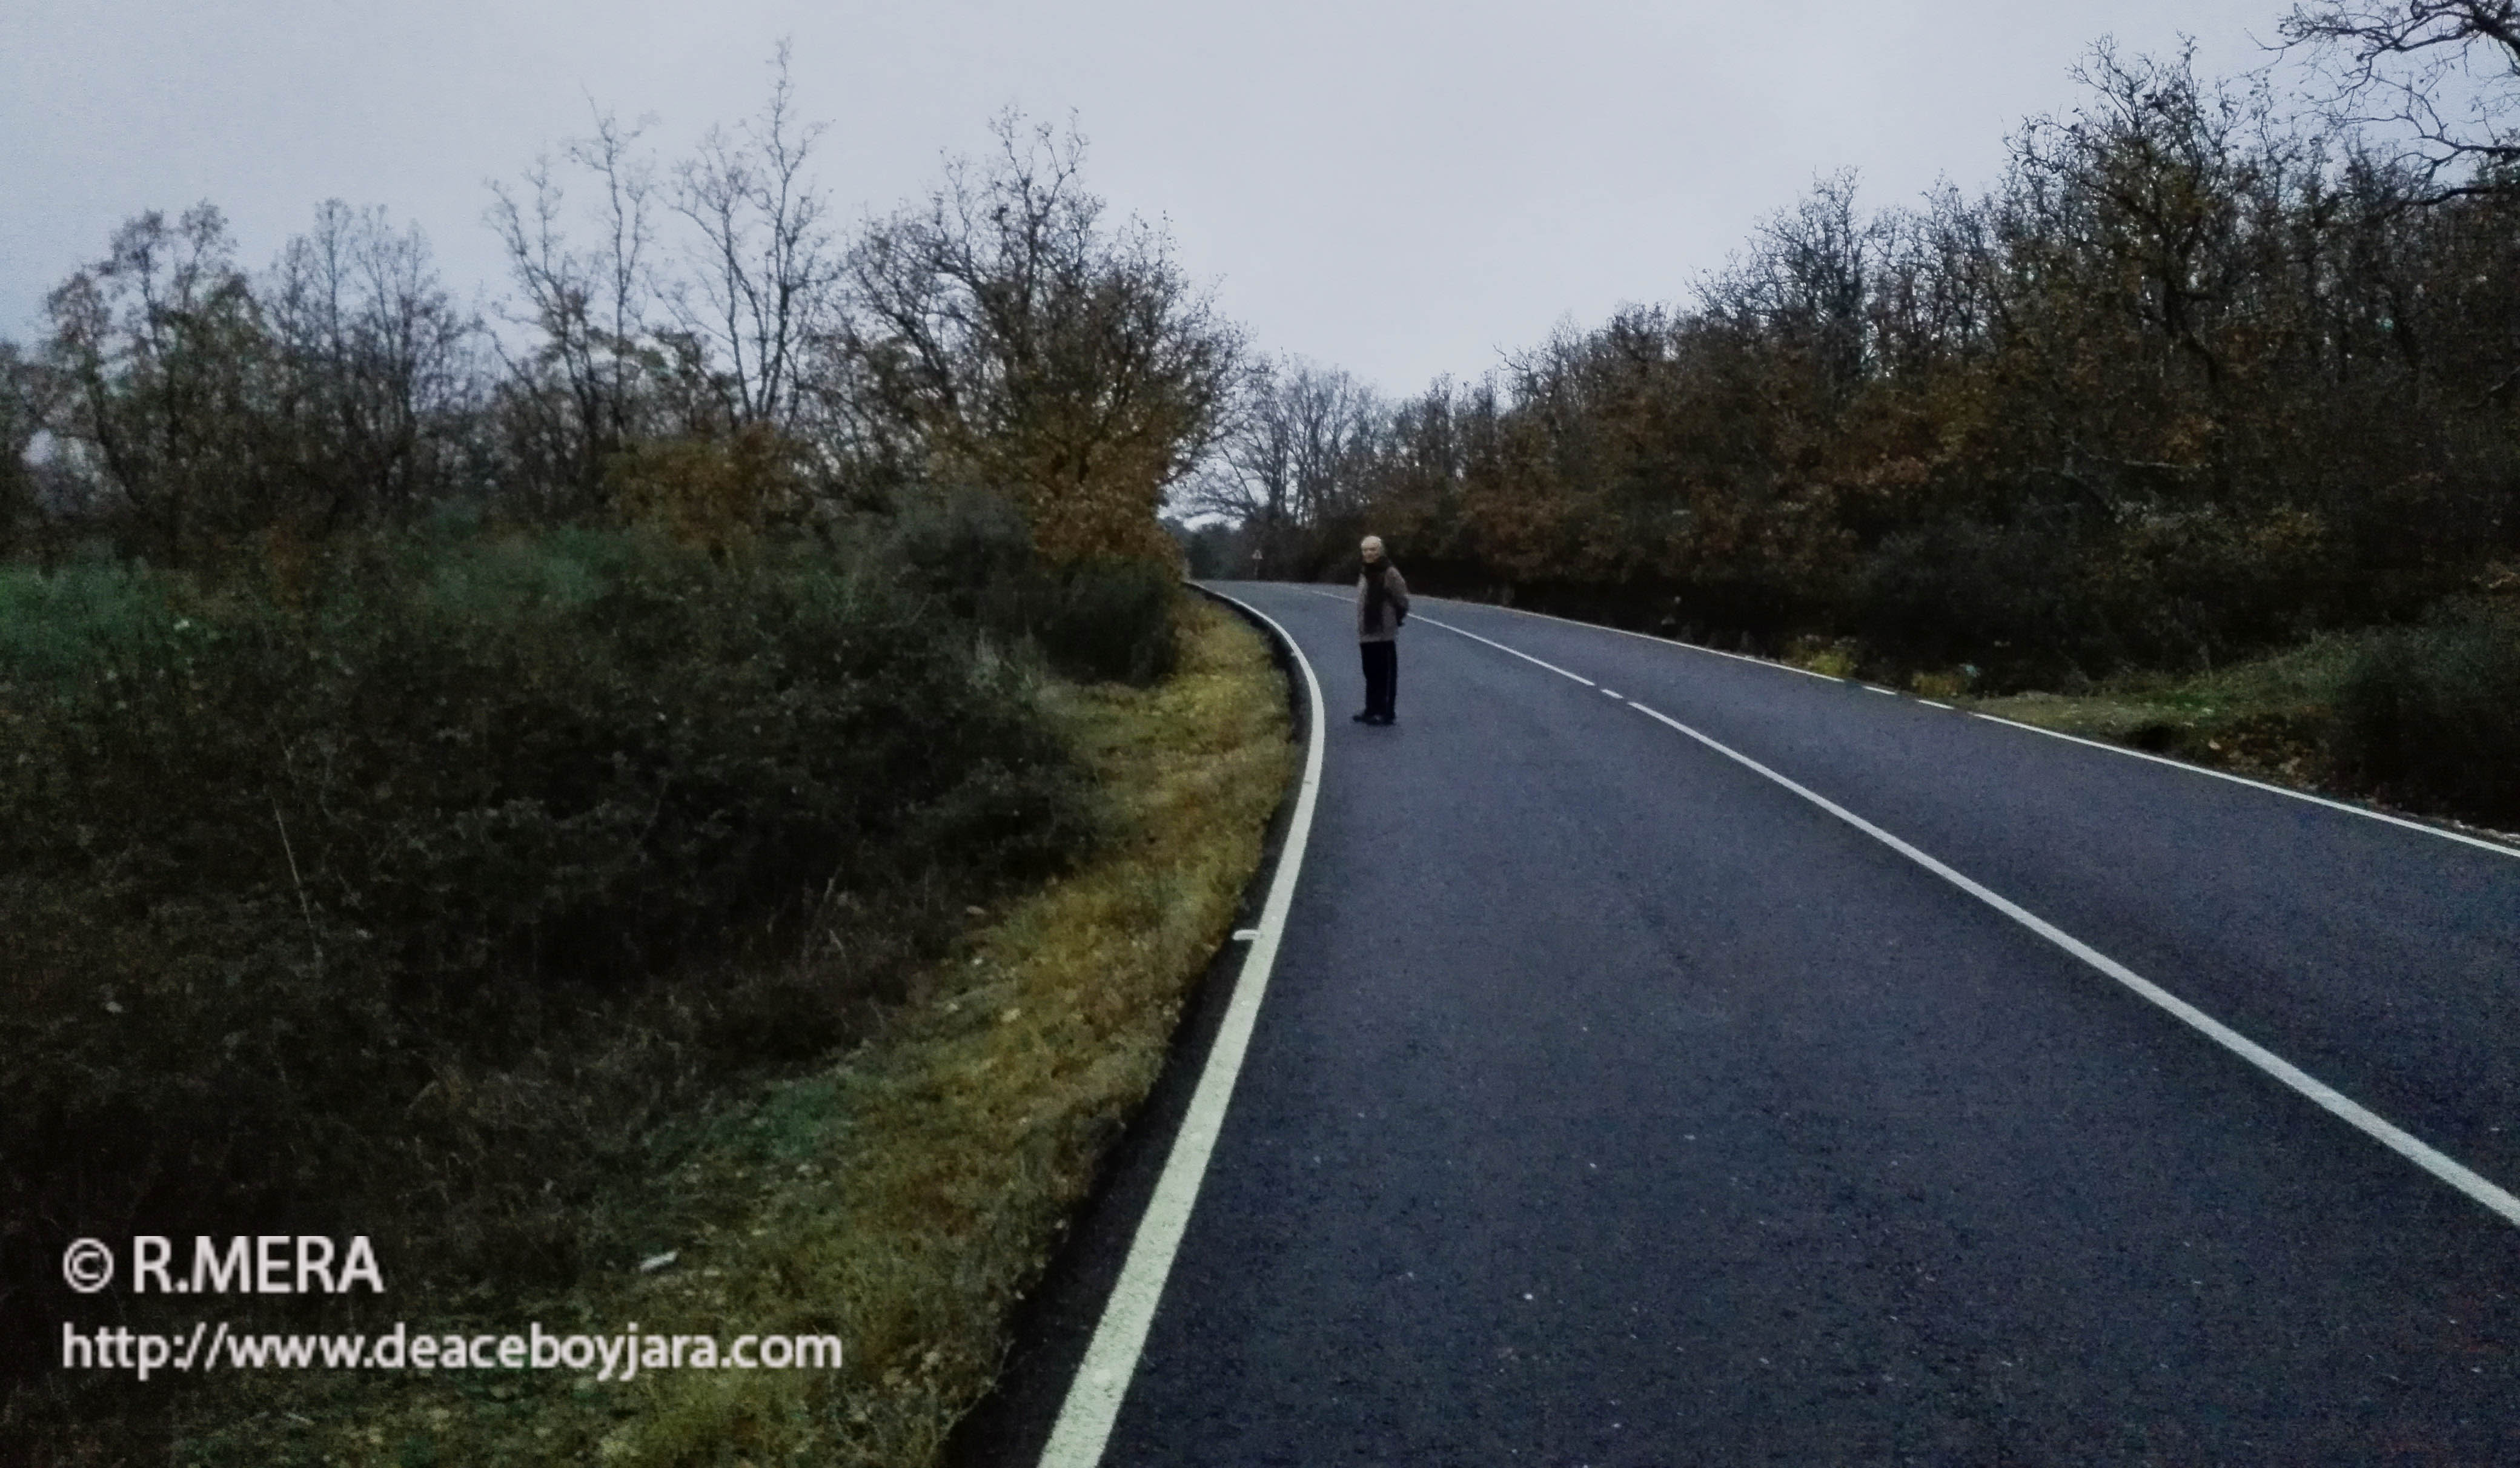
(1381, 605)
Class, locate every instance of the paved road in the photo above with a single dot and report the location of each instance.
(1613, 1103)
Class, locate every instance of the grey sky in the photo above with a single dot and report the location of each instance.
(1400, 188)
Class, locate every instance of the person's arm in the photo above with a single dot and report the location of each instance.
(1399, 584)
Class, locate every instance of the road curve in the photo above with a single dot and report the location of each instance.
(1641, 1080)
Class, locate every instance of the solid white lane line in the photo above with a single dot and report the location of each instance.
(2257, 784)
(2327, 1097)
(1102, 1378)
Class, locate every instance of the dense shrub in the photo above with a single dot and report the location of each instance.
(410, 875)
(1105, 619)
(1108, 619)
(2004, 595)
(2430, 716)
(565, 757)
(53, 627)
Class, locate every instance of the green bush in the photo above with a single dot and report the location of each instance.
(54, 626)
(417, 881)
(1108, 620)
(563, 758)
(2430, 716)
(1993, 595)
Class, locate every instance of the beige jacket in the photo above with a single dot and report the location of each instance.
(1386, 627)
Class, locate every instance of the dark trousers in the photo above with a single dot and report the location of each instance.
(1382, 676)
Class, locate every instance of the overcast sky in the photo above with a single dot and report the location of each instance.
(1401, 189)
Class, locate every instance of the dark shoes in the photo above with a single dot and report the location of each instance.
(1369, 717)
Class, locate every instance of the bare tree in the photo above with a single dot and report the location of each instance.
(2155, 184)
(1807, 279)
(377, 363)
(1299, 450)
(765, 262)
(1335, 425)
(164, 369)
(1250, 479)
(2441, 75)
(1934, 296)
(575, 395)
(25, 404)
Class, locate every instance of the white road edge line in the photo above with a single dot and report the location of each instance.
(1875, 688)
(2497, 847)
(2327, 1097)
(1102, 1377)
(2241, 780)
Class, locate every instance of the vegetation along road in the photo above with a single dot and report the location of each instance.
(1670, 1057)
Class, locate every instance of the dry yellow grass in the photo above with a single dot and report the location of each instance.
(904, 1199)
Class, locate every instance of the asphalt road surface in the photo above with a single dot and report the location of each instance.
(1614, 1102)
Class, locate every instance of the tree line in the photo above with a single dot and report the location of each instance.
(2207, 368)
(700, 344)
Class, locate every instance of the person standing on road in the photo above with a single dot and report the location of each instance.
(1381, 605)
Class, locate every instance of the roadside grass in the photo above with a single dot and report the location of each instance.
(2267, 718)
(2423, 718)
(902, 1198)
(1830, 657)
